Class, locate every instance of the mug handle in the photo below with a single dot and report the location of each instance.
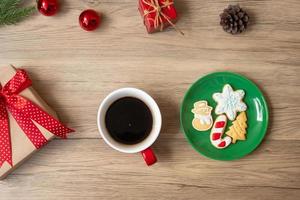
(149, 156)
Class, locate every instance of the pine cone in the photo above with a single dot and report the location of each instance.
(234, 20)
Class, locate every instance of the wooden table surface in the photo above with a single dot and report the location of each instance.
(74, 70)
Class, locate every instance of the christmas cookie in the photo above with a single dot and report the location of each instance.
(237, 130)
(202, 116)
(229, 102)
(217, 132)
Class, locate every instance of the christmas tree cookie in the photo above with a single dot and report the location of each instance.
(237, 130)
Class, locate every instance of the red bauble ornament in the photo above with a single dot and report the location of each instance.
(47, 7)
(89, 20)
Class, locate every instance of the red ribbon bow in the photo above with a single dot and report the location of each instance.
(25, 112)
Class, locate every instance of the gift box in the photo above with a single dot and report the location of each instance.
(27, 123)
(157, 14)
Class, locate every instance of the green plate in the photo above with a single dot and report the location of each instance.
(257, 115)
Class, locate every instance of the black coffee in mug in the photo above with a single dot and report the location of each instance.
(128, 120)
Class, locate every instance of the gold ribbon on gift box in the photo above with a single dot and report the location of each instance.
(159, 15)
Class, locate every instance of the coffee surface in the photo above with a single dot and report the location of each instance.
(128, 120)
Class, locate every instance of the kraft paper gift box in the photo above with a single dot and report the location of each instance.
(22, 148)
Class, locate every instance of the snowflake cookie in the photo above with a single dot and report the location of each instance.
(229, 102)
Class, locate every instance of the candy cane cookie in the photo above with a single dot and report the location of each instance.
(217, 132)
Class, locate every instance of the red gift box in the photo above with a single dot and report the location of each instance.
(158, 14)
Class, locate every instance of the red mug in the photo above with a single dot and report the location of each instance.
(144, 147)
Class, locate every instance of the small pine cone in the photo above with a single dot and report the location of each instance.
(234, 20)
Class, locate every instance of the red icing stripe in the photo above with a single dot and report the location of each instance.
(216, 136)
(220, 124)
(222, 144)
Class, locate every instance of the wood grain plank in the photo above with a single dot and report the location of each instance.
(91, 166)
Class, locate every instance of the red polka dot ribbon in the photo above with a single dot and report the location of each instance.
(24, 112)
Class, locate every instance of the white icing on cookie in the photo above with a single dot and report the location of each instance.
(217, 132)
(229, 102)
(202, 116)
(204, 119)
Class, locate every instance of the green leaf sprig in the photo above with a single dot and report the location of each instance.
(12, 13)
